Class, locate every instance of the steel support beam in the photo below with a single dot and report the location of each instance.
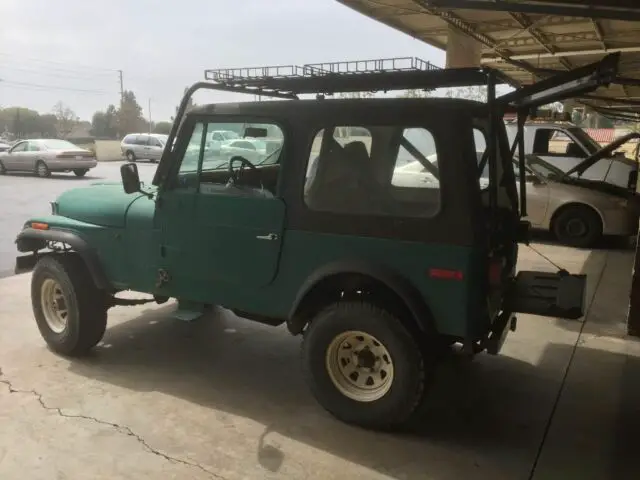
(611, 9)
(539, 37)
(457, 22)
(570, 53)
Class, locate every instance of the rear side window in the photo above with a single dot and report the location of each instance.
(373, 170)
(142, 140)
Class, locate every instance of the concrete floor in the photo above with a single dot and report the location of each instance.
(223, 398)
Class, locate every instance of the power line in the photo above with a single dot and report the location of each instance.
(41, 87)
(52, 62)
(56, 73)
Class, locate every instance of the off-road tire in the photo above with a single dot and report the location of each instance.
(86, 304)
(131, 157)
(578, 217)
(2, 169)
(42, 170)
(409, 381)
(80, 172)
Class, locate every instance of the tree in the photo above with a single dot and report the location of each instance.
(47, 125)
(104, 124)
(23, 122)
(129, 117)
(66, 119)
(415, 93)
(162, 128)
(472, 92)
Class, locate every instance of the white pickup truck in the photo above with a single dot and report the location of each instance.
(573, 147)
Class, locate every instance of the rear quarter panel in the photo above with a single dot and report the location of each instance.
(451, 302)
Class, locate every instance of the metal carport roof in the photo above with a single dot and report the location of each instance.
(528, 39)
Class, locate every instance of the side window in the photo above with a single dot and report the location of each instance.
(541, 141)
(417, 160)
(154, 142)
(214, 175)
(33, 147)
(21, 147)
(341, 136)
(128, 139)
(142, 140)
(378, 171)
(558, 142)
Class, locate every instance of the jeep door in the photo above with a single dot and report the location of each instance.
(221, 230)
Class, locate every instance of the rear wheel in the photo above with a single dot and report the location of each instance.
(80, 172)
(70, 311)
(578, 226)
(363, 366)
(42, 170)
(131, 156)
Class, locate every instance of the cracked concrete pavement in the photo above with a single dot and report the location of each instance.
(222, 398)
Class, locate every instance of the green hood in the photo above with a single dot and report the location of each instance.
(103, 204)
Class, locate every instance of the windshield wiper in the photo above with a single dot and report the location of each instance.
(277, 150)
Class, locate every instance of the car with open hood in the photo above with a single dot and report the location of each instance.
(576, 210)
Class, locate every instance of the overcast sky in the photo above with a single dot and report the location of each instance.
(70, 50)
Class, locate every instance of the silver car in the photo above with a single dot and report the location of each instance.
(143, 146)
(43, 156)
(577, 211)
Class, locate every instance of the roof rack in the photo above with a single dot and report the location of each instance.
(384, 74)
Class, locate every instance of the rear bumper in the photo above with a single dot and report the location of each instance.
(71, 164)
(559, 295)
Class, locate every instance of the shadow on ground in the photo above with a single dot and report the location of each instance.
(485, 418)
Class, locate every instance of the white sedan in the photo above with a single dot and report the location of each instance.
(43, 156)
(249, 148)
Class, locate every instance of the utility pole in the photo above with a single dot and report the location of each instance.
(121, 87)
(149, 114)
(121, 104)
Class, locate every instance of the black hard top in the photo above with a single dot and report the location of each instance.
(329, 106)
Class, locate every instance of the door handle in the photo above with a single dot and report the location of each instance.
(269, 236)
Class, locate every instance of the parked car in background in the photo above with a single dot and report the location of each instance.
(565, 145)
(250, 149)
(218, 138)
(143, 146)
(577, 211)
(43, 156)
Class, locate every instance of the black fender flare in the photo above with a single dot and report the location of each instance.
(393, 280)
(32, 240)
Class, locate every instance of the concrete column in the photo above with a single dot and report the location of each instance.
(462, 50)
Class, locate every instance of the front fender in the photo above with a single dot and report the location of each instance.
(32, 240)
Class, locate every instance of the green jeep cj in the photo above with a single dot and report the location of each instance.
(383, 230)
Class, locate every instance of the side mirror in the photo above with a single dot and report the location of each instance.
(130, 177)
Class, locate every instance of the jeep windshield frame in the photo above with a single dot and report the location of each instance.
(397, 74)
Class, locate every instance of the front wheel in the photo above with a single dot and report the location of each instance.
(363, 366)
(70, 311)
(578, 226)
(42, 170)
(80, 172)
